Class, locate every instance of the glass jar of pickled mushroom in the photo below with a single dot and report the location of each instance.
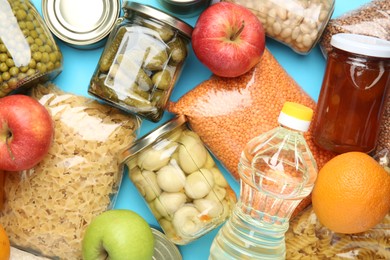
(28, 53)
(142, 60)
(180, 181)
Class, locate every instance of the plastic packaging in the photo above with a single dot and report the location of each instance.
(142, 61)
(179, 181)
(371, 19)
(296, 23)
(227, 113)
(308, 239)
(28, 53)
(384, 130)
(48, 207)
(277, 170)
(353, 94)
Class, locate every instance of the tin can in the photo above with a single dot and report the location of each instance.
(186, 8)
(353, 94)
(81, 24)
(164, 249)
(142, 60)
(180, 181)
(28, 53)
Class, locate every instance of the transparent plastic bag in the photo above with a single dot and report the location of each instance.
(372, 19)
(308, 239)
(295, 23)
(228, 112)
(384, 129)
(48, 207)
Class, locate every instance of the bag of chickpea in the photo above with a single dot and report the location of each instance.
(228, 112)
(372, 19)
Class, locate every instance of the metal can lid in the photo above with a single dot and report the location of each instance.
(163, 248)
(82, 24)
(149, 11)
(152, 136)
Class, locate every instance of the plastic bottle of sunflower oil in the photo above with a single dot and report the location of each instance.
(277, 170)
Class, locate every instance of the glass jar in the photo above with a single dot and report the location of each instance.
(353, 93)
(298, 24)
(28, 52)
(179, 180)
(142, 60)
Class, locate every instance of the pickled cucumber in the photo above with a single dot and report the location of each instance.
(162, 79)
(177, 51)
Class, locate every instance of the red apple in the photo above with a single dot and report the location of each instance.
(26, 132)
(228, 39)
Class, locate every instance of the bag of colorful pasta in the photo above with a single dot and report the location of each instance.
(48, 207)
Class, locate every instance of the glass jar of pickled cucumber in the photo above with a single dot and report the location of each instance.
(180, 181)
(142, 60)
(28, 52)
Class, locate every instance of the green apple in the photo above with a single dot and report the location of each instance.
(118, 234)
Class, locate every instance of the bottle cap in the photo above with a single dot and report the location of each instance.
(361, 44)
(295, 116)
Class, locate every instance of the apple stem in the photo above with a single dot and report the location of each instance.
(7, 139)
(236, 34)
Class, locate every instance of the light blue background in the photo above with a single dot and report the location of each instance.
(79, 66)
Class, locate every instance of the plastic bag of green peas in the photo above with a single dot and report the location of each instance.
(28, 52)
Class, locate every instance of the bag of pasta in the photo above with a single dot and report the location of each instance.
(48, 207)
(308, 239)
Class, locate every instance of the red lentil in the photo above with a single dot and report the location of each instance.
(227, 112)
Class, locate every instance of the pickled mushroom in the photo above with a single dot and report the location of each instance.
(186, 221)
(192, 153)
(146, 183)
(153, 159)
(218, 177)
(168, 203)
(199, 184)
(171, 178)
(211, 208)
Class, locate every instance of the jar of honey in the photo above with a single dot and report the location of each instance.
(353, 93)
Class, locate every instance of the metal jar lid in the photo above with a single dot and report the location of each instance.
(152, 136)
(132, 8)
(163, 248)
(81, 23)
(185, 8)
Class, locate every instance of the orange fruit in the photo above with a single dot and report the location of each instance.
(5, 248)
(351, 193)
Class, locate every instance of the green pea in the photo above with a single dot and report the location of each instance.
(30, 72)
(3, 67)
(10, 62)
(3, 57)
(37, 56)
(21, 15)
(3, 48)
(14, 71)
(5, 76)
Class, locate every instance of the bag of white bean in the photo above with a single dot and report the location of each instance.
(372, 19)
(296, 23)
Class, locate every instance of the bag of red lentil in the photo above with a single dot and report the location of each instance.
(228, 112)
